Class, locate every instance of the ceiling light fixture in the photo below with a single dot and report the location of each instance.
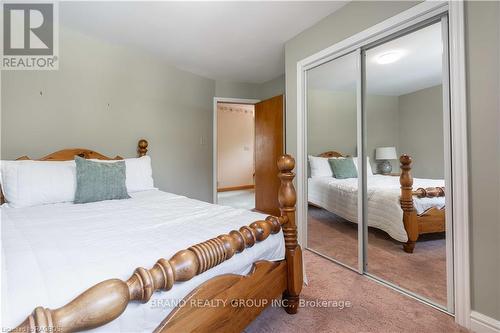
(389, 57)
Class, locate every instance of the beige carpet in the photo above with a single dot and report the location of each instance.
(375, 308)
(422, 272)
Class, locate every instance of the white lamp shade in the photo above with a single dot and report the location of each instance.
(386, 153)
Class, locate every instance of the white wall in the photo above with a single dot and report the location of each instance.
(231, 89)
(382, 126)
(260, 91)
(482, 38)
(235, 148)
(274, 87)
(147, 99)
(421, 131)
(332, 123)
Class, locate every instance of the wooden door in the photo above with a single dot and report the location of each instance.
(268, 147)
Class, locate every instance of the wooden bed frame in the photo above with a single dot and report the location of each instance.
(240, 298)
(430, 221)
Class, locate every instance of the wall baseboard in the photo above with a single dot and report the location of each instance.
(480, 323)
(235, 188)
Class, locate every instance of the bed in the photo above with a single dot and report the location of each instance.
(51, 253)
(393, 204)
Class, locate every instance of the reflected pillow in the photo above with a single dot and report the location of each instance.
(343, 168)
(369, 171)
(319, 167)
(97, 181)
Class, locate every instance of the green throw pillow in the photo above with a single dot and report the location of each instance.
(96, 181)
(343, 168)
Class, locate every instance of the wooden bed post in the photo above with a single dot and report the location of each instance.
(142, 147)
(406, 200)
(293, 255)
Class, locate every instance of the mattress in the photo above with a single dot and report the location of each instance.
(340, 196)
(52, 253)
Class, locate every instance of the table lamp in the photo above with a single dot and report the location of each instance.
(383, 155)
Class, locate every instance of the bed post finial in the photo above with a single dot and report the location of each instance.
(142, 147)
(293, 253)
(406, 200)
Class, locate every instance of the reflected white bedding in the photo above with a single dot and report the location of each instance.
(52, 253)
(340, 196)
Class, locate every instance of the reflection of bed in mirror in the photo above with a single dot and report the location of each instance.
(404, 207)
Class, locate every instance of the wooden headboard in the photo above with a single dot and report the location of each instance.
(332, 153)
(69, 154)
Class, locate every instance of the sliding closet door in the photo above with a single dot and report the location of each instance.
(332, 121)
(406, 113)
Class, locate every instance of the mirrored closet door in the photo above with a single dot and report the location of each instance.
(331, 145)
(403, 104)
(387, 215)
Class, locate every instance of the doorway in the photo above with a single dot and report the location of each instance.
(235, 155)
(248, 139)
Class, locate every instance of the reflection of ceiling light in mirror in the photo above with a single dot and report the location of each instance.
(389, 57)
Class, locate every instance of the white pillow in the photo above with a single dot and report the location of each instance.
(138, 173)
(369, 171)
(320, 167)
(30, 183)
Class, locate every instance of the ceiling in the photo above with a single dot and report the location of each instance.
(419, 67)
(234, 41)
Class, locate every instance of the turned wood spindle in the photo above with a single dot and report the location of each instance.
(293, 253)
(142, 147)
(406, 200)
(429, 192)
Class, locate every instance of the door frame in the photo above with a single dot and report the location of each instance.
(215, 165)
(458, 126)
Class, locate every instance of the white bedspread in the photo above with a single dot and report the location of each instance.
(340, 196)
(52, 253)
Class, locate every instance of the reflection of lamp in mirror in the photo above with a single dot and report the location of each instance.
(383, 155)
